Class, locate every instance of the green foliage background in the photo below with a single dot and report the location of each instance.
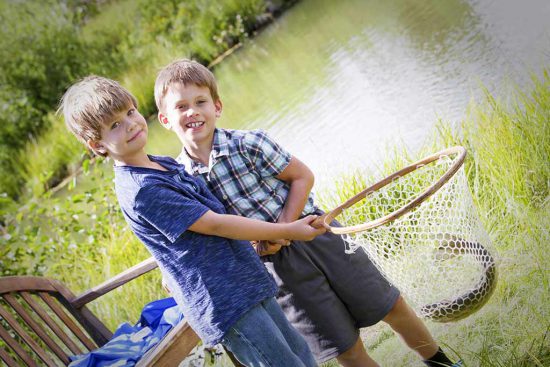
(47, 45)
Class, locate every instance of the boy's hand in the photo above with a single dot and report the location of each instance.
(303, 229)
(264, 248)
(280, 242)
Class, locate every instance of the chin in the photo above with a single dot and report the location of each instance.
(198, 135)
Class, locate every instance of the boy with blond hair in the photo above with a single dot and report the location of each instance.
(218, 281)
(326, 294)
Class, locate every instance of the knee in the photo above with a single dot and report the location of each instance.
(401, 311)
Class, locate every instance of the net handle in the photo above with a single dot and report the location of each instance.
(326, 219)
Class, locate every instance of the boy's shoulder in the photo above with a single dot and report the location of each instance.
(247, 145)
(130, 180)
(140, 175)
(239, 135)
(242, 139)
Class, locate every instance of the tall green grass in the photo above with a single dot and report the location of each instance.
(508, 169)
(41, 160)
(509, 174)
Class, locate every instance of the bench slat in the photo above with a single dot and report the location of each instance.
(23, 334)
(4, 356)
(51, 323)
(10, 299)
(67, 321)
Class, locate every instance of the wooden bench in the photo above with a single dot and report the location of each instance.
(42, 323)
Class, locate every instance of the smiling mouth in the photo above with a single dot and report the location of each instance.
(194, 125)
(135, 136)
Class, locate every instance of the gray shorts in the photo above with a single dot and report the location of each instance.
(327, 294)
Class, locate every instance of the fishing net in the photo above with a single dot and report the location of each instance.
(420, 228)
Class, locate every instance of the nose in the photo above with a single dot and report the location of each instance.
(190, 112)
(130, 124)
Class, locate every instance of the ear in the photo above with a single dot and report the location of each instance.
(219, 107)
(164, 120)
(97, 147)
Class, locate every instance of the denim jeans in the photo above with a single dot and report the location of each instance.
(263, 337)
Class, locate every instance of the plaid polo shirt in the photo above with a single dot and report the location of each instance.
(242, 171)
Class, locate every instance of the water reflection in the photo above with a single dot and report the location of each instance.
(337, 82)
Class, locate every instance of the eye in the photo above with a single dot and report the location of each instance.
(201, 101)
(115, 125)
(131, 111)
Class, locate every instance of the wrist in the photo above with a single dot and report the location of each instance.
(288, 230)
(284, 218)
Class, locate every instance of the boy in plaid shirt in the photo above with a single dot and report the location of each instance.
(326, 294)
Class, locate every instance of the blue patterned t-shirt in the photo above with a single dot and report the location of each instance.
(214, 280)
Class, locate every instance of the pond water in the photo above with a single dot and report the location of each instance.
(340, 83)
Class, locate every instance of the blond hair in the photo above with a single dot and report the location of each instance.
(186, 72)
(91, 102)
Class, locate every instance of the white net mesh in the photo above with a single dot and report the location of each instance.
(437, 253)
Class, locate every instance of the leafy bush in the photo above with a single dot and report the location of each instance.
(47, 45)
(41, 53)
(205, 28)
(46, 231)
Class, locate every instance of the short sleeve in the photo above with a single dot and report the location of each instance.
(268, 157)
(169, 211)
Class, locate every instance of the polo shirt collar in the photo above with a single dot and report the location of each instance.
(219, 144)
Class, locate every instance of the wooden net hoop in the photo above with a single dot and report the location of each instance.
(459, 160)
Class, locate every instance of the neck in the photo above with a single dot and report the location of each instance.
(200, 151)
(138, 159)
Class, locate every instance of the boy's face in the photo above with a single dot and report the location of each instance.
(123, 136)
(191, 113)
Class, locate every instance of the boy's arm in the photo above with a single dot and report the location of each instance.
(300, 179)
(241, 228)
(172, 212)
(272, 160)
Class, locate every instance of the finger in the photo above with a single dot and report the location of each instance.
(269, 249)
(318, 221)
(320, 230)
(282, 242)
(310, 218)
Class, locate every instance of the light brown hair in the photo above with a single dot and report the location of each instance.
(91, 102)
(186, 72)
